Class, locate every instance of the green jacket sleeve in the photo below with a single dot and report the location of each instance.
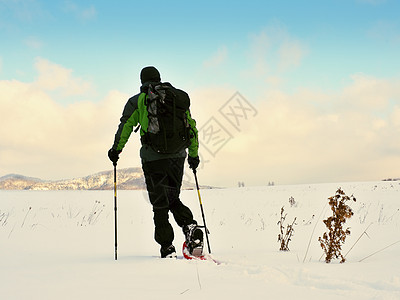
(129, 119)
(194, 139)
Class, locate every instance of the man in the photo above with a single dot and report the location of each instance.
(163, 171)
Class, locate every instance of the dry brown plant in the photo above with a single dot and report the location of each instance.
(284, 237)
(332, 241)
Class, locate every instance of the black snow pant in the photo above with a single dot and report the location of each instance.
(164, 180)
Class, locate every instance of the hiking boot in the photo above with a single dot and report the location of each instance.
(194, 239)
(168, 252)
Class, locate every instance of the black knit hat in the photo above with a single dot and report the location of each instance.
(150, 74)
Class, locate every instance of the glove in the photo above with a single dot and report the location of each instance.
(113, 155)
(193, 162)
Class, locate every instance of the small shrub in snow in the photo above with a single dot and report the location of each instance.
(285, 236)
(292, 202)
(331, 241)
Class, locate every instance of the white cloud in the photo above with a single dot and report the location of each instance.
(26, 10)
(53, 77)
(303, 137)
(259, 52)
(83, 14)
(274, 51)
(89, 13)
(369, 93)
(386, 31)
(33, 43)
(290, 53)
(395, 117)
(217, 59)
(309, 136)
(40, 137)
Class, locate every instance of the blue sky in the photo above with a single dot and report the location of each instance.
(109, 43)
(313, 55)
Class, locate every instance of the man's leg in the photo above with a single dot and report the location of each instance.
(182, 214)
(157, 187)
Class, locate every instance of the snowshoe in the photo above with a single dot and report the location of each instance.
(188, 255)
(194, 240)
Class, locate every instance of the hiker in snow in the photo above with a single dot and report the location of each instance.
(166, 130)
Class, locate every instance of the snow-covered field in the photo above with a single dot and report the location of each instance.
(60, 245)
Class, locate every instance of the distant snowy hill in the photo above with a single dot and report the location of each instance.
(127, 179)
(18, 182)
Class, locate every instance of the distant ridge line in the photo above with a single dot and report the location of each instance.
(128, 179)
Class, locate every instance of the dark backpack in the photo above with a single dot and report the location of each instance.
(168, 129)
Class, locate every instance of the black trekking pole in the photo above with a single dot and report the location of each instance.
(115, 209)
(202, 211)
